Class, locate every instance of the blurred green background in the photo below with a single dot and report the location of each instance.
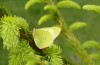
(91, 32)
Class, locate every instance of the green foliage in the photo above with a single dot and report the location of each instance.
(91, 44)
(77, 25)
(45, 18)
(10, 30)
(32, 2)
(95, 8)
(20, 50)
(22, 23)
(3, 12)
(68, 4)
(50, 8)
(40, 49)
(95, 56)
(30, 59)
(19, 55)
(53, 55)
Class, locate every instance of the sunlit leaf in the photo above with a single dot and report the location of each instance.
(68, 4)
(94, 8)
(91, 44)
(51, 8)
(32, 2)
(94, 56)
(77, 25)
(45, 18)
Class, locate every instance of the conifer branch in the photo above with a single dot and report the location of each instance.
(18, 40)
(73, 41)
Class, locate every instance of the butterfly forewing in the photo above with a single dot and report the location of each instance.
(54, 31)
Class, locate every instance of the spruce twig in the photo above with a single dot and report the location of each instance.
(73, 41)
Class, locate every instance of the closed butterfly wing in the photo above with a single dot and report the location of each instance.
(42, 38)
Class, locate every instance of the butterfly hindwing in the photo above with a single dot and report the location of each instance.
(42, 38)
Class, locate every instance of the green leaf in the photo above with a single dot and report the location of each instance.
(32, 2)
(90, 44)
(44, 37)
(51, 8)
(45, 18)
(94, 8)
(95, 56)
(77, 25)
(68, 4)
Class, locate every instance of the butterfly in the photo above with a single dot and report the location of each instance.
(44, 37)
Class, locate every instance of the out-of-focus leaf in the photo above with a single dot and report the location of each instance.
(45, 18)
(32, 2)
(68, 4)
(94, 8)
(77, 25)
(91, 44)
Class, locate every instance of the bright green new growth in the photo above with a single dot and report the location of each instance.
(45, 18)
(91, 44)
(77, 25)
(95, 56)
(68, 4)
(53, 8)
(17, 39)
(53, 54)
(50, 8)
(22, 23)
(94, 8)
(10, 26)
(21, 45)
(32, 2)
(20, 54)
(9, 32)
(44, 37)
